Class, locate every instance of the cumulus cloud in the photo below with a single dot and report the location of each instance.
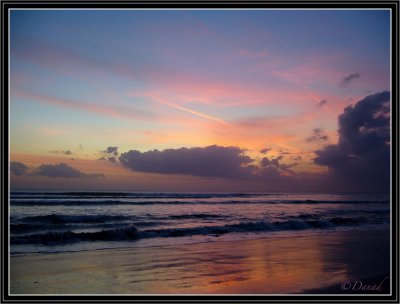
(211, 161)
(110, 154)
(18, 168)
(50, 170)
(362, 154)
(317, 135)
(346, 81)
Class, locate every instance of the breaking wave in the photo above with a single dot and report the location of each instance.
(133, 233)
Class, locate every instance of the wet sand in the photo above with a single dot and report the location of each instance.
(271, 265)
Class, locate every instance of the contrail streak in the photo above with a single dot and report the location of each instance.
(173, 105)
(317, 99)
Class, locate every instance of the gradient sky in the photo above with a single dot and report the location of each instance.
(83, 81)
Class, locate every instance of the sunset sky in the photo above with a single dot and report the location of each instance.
(232, 100)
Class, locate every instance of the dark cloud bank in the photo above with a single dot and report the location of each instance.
(50, 170)
(212, 161)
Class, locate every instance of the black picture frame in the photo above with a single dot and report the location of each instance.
(6, 6)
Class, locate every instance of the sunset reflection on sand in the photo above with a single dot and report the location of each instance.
(261, 266)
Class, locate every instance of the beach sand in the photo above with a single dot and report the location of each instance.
(271, 265)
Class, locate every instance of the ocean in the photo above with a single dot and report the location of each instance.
(79, 221)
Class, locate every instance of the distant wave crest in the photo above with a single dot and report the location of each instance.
(39, 202)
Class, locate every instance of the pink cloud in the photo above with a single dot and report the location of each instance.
(180, 89)
(109, 111)
(309, 74)
(184, 87)
(73, 64)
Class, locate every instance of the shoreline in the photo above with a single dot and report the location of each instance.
(269, 265)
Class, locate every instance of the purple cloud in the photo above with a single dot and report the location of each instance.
(18, 168)
(317, 135)
(265, 150)
(346, 81)
(50, 170)
(62, 170)
(212, 161)
(362, 155)
(110, 154)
